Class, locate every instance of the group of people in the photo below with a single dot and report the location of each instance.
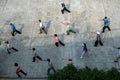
(57, 41)
(42, 29)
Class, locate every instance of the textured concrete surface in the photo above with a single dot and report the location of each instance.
(84, 18)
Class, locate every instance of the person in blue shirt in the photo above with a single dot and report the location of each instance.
(106, 24)
(14, 30)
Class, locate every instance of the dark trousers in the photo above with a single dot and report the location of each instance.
(96, 43)
(21, 72)
(68, 31)
(64, 9)
(57, 43)
(8, 50)
(103, 30)
(51, 68)
(116, 60)
(13, 32)
(43, 29)
(34, 58)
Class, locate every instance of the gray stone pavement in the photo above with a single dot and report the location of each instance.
(84, 19)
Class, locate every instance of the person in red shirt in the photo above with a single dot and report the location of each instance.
(57, 41)
(18, 70)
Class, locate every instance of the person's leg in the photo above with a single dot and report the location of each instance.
(44, 30)
(23, 72)
(53, 69)
(18, 74)
(82, 54)
(14, 49)
(39, 57)
(108, 28)
(57, 44)
(103, 30)
(66, 9)
(96, 43)
(40, 30)
(116, 60)
(68, 32)
(18, 32)
(61, 43)
(72, 31)
(33, 59)
(101, 43)
(48, 71)
(12, 33)
(8, 51)
(62, 10)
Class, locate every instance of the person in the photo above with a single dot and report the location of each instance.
(84, 49)
(57, 41)
(9, 47)
(106, 24)
(18, 70)
(116, 60)
(69, 29)
(13, 28)
(51, 67)
(98, 40)
(35, 55)
(42, 27)
(64, 8)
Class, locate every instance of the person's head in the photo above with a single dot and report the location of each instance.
(55, 35)
(11, 24)
(7, 42)
(84, 44)
(16, 64)
(39, 20)
(105, 17)
(48, 60)
(33, 49)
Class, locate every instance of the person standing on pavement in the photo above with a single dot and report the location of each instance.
(106, 24)
(64, 8)
(98, 40)
(118, 57)
(57, 41)
(18, 70)
(42, 27)
(9, 47)
(13, 28)
(51, 67)
(35, 55)
(85, 50)
(69, 28)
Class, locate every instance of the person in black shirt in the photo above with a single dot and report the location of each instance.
(64, 8)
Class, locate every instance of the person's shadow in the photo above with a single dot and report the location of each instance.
(73, 27)
(48, 25)
(22, 26)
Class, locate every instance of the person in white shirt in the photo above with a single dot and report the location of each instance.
(42, 27)
(118, 57)
(69, 28)
(51, 67)
(35, 55)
